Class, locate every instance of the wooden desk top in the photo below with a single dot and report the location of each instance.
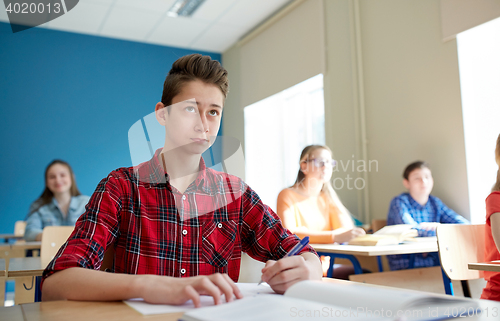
(26, 245)
(493, 266)
(10, 236)
(25, 266)
(406, 248)
(119, 311)
(2, 267)
(14, 313)
(79, 311)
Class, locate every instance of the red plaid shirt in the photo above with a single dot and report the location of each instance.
(155, 229)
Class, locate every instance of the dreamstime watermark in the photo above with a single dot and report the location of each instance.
(26, 14)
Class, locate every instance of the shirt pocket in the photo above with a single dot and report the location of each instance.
(218, 241)
(49, 221)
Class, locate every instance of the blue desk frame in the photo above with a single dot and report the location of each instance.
(38, 290)
(355, 262)
(448, 287)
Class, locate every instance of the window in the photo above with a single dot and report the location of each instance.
(478, 53)
(276, 130)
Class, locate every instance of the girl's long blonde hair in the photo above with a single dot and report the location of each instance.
(327, 188)
(496, 187)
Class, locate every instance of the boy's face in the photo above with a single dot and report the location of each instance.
(194, 118)
(419, 182)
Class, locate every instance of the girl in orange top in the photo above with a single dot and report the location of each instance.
(311, 207)
(492, 235)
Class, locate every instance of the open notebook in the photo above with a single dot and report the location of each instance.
(388, 235)
(349, 301)
(247, 289)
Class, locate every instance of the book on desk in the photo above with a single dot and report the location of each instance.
(388, 235)
(348, 301)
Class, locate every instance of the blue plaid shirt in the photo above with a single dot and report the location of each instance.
(405, 210)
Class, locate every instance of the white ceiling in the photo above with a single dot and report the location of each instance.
(215, 26)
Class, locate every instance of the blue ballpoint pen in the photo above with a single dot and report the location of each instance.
(296, 249)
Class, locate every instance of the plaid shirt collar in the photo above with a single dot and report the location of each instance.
(152, 173)
(416, 204)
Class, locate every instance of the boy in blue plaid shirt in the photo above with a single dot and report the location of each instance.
(420, 209)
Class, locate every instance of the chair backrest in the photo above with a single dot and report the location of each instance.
(19, 228)
(378, 224)
(459, 245)
(53, 237)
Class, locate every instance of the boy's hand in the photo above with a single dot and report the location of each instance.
(282, 274)
(168, 290)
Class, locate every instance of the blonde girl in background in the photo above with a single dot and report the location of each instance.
(311, 207)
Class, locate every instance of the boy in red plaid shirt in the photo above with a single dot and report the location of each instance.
(177, 227)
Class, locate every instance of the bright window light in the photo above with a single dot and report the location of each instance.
(479, 64)
(276, 130)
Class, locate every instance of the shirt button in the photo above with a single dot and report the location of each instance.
(183, 197)
(183, 271)
(184, 232)
(219, 225)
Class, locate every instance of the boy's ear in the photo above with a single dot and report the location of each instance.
(160, 112)
(406, 183)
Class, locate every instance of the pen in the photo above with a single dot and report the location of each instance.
(296, 249)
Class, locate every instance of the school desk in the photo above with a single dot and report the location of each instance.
(4, 250)
(2, 268)
(493, 266)
(79, 311)
(119, 311)
(351, 251)
(36, 245)
(17, 249)
(7, 237)
(14, 313)
(27, 272)
(2, 280)
(25, 266)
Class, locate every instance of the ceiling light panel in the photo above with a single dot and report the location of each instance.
(184, 8)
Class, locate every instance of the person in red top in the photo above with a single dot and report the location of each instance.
(492, 235)
(176, 226)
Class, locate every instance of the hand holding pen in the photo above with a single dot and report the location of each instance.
(295, 250)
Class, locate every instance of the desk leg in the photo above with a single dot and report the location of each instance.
(379, 262)
(411, 263)
(38, 291)
(448, 286)
(330, 270)
(352, 258)
(2, 291)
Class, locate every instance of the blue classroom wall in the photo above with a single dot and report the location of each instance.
(73, 97)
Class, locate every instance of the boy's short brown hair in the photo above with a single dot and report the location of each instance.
(193, 67)
(413, 166)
